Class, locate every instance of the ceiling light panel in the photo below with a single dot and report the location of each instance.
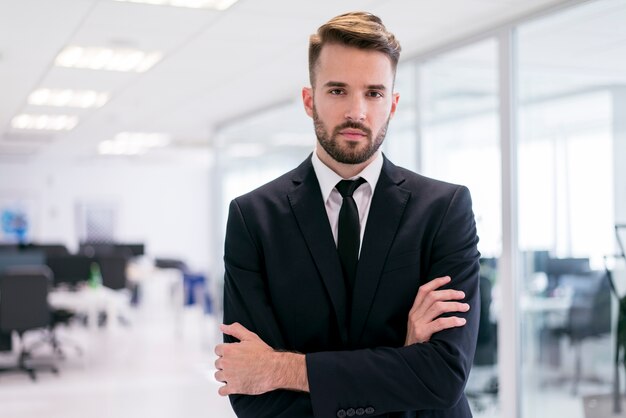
(44, 122)
(83, 99)
(110, 59)
(133, 143)
(192, 4)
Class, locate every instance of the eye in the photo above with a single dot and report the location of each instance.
(375, 94)
(336, 92)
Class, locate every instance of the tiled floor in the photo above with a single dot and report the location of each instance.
(160, 366)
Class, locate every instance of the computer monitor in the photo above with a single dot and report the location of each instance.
(21, 259)
(51, 249)
(4, 247)
(557, 267)
(69, 269)
(93, 249)
(540, 259)
(561, 266)
(134, 249)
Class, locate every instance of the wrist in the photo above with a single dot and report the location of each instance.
(289, 372)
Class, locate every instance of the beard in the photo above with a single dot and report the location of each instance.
(350, 152)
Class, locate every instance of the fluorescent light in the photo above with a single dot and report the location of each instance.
(133, 143)
(147, 140)
(96, 58)
(68, 98)
(111, 147)
(192, 4)
(44, 122)
(251, 150)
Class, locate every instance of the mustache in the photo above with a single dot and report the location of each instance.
(350, 124)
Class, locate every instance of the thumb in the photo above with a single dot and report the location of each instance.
(238, 331)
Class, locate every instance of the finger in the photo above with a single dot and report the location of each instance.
(218, 364)
(438, 296)
(436, 283)
(219, 376)
(238, 331)
(447, 307)
(425, 289)
(224, 390)
(449, 294)
(446, 323)
(219, 350)
(429, 314)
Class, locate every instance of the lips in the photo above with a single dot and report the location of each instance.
(353, 134)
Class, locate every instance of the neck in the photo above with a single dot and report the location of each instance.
(346, 171)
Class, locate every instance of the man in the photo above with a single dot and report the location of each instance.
(350, 298)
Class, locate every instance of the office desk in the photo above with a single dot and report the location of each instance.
(542, 304)
(543, 313)
(90, 302)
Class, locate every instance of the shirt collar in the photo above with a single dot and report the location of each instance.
(328, 179)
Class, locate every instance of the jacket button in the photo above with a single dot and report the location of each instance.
(369, 410)
(350, 412)
(360, 411)
(341, 413)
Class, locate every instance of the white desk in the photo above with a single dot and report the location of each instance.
(90, 302)
(541, 312)
(541, 304)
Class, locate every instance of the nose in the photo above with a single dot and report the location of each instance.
(356, 109)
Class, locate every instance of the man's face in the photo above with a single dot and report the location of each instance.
(351, 102)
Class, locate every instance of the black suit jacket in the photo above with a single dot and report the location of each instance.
(283, 281)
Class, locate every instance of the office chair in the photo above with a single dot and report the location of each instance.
(171, 263)
(24, 307)
(69, 270)
(113, 270)
(589, 316)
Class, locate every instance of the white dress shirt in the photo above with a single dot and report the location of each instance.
(328, 179)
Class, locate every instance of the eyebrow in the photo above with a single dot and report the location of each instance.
(342, 84)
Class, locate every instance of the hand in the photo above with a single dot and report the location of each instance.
(245, 367)
(430, 303)
(251, 367)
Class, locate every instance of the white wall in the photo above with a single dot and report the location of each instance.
(165, 204)
(619, 153)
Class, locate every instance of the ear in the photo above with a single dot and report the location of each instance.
(394, 104)
(307, 100)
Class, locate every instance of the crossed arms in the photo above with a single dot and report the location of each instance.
(251, 367)
(428, 372)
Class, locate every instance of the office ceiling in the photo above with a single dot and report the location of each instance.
(216, 66)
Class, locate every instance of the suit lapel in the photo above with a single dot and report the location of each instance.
(388, 205)
(308, 207)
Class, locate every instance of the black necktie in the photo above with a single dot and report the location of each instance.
(349, 234)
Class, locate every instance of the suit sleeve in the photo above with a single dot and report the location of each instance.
(428, 375)
(246, 301)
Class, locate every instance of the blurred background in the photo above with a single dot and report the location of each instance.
(126, 127)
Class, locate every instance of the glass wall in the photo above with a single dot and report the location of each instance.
(401, 145)
(461, 144)
(572, 72)
(259, 148)
(569, 152)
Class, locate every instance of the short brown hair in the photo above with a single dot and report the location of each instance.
(361, 30)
